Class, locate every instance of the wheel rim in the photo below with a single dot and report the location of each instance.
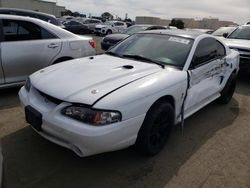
(231, 91)
(160, 131)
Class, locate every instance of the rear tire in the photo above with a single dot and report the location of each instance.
(228, 90)
(155, 129)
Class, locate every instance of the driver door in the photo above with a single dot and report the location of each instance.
(206, 74)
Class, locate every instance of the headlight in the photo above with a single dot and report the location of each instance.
(92, 116)
(27, 84)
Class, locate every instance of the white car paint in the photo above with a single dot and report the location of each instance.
(237, 43)
(129, 91)
(242, 46)
(110, 26)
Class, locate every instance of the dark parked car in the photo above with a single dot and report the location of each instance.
(34, 14)
(76, 27)
(111, 40)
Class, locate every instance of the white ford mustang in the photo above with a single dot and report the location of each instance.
(133, 94)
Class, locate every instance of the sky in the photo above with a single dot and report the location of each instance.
(228, 10)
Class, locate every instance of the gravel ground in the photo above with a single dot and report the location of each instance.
(214, 151)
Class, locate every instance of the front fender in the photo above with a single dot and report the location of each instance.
(136, 98)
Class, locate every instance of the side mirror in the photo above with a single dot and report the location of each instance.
(225, 35)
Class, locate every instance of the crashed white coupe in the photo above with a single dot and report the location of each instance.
(133, 94)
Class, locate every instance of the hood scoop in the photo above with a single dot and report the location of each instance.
(124, 67)
(85, 81)
(127, 67)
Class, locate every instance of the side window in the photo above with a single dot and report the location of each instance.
(87, 21)
(47, 35)
(221, 51)
(16, 30)
(74, 23)
(205, 52)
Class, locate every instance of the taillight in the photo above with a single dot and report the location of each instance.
(92, 43)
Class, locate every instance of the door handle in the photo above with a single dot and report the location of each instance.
(53, 45)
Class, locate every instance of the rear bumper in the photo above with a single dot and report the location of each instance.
(81, 138)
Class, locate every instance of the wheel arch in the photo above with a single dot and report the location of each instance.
(61, 59)
(167, 98)
(109, 30)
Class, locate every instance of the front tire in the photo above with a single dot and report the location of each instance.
(228, 90)
(155, 129)
(108, 32)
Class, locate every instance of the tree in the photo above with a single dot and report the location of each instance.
(76, 14)
(67, 13)
(177, 23)
(107, 16)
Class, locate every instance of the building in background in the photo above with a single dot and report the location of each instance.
(36, 5)
(151, 20)
(205, 23)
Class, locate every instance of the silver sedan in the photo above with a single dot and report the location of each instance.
(29, 44)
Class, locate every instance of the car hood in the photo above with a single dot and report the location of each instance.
(237, 43)
(86, 80)
(117, 37)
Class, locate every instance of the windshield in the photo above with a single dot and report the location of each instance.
(166, 49)
(134, 29)
(222, 30)
(242, 32)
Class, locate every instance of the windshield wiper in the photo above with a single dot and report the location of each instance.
(113, 54)
(139, 57)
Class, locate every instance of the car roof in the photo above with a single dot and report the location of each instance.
(246, 25)
(25, 18)
(28, 11)
(181, 33)
(62, 33)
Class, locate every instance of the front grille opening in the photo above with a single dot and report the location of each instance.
(50, 99)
